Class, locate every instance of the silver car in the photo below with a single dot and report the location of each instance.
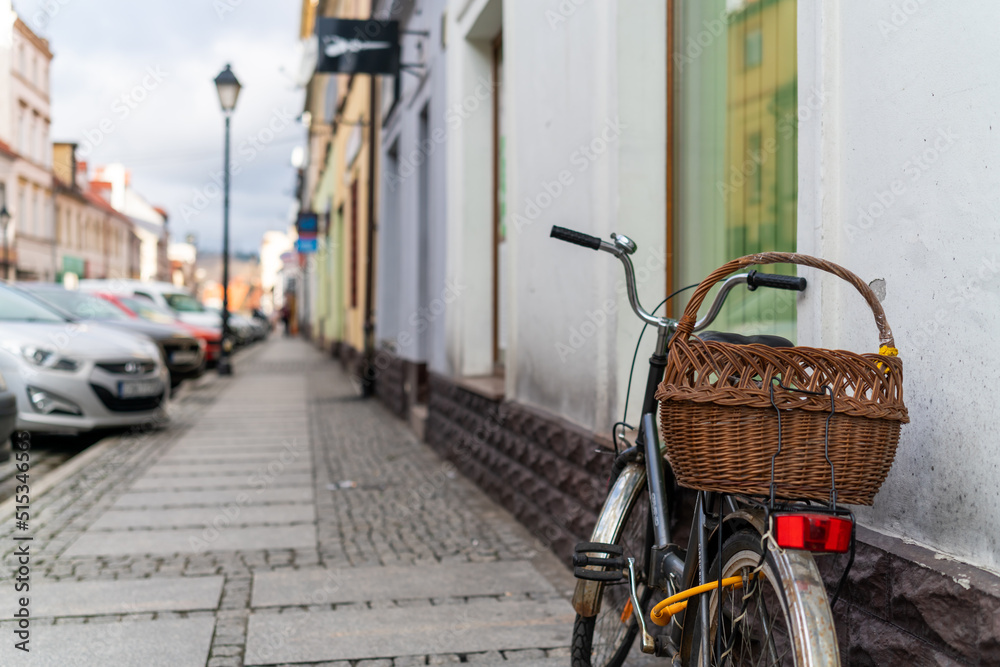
(73, 377)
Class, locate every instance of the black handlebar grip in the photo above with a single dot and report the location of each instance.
(794, 283)
(579, 238)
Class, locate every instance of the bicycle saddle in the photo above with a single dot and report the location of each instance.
(739, 339)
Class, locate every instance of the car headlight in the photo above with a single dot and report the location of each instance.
(52, 404)
(44, 358)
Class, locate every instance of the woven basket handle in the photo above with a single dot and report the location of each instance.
(687, 322)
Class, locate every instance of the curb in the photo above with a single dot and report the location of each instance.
(62, 472)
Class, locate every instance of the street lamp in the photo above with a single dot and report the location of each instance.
(229, 90)
(4, 221)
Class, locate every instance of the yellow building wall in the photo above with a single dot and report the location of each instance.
(351, 195)
(341, 260)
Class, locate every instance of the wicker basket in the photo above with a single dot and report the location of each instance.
(720, 427)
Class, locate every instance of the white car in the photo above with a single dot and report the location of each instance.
(72, 377)
(166, 295)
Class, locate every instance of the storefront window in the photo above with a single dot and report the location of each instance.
(735, 103)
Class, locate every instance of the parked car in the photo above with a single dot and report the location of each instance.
(8, 418)
(183, 353)
(144, 309)
(72, 377)
(242, 329)
(167, 295)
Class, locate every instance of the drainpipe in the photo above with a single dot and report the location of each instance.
(368, 369)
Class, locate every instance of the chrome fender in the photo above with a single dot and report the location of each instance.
(621, 498)
(805, 593)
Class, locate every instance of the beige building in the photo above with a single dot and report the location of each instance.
(26, 180)
(113, 182)
(93, 240)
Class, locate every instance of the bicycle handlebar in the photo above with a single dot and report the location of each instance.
(579, 238)
(622, 247)
(756, 279)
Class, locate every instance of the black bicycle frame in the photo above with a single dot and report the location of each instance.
(665, 566)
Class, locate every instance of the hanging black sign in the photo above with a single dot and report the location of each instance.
(358, 47)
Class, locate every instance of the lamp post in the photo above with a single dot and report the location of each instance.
(4, 221)
(229, 89)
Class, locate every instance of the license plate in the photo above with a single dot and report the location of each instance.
(183, 357)
(139, 388)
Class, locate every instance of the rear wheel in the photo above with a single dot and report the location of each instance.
(604, 640)
(780, 616)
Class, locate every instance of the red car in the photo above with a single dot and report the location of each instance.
(145, 309)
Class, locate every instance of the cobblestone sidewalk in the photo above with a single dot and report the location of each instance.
(276, 520)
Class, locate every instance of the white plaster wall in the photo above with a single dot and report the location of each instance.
(585, 131)
(471, 26)
(403, 316)
(561, 85)
(900, 181)
(587, 113)
(642, 198)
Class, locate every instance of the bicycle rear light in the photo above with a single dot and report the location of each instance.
(813, 532)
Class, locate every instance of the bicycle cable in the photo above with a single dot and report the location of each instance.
(635, 355)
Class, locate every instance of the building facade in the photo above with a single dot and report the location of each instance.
(412, 288)
(337, 183)
(149, 222)
(24, 127)
(704, 130)
(93, 240)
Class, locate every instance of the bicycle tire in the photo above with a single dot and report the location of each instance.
(803, 635)
(615, 635)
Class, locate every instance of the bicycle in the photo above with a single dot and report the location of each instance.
(748, 568)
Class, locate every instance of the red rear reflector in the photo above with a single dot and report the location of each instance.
(812, 532)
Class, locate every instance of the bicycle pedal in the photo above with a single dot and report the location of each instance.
(612, 561)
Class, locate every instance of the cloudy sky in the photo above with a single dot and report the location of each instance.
(132, 83)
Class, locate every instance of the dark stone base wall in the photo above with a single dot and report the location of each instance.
(900, 606)
(390, 379)
(544, 471)
(350, 359)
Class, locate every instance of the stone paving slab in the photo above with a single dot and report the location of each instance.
(364, 584)
(353, 634)
(220, 468)
(92, 598)
(164, 499)
(205, 516)
(257, 446)
(162, 643)
(520, 662)
(252, 481)
(222, 457)
(192, 540)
